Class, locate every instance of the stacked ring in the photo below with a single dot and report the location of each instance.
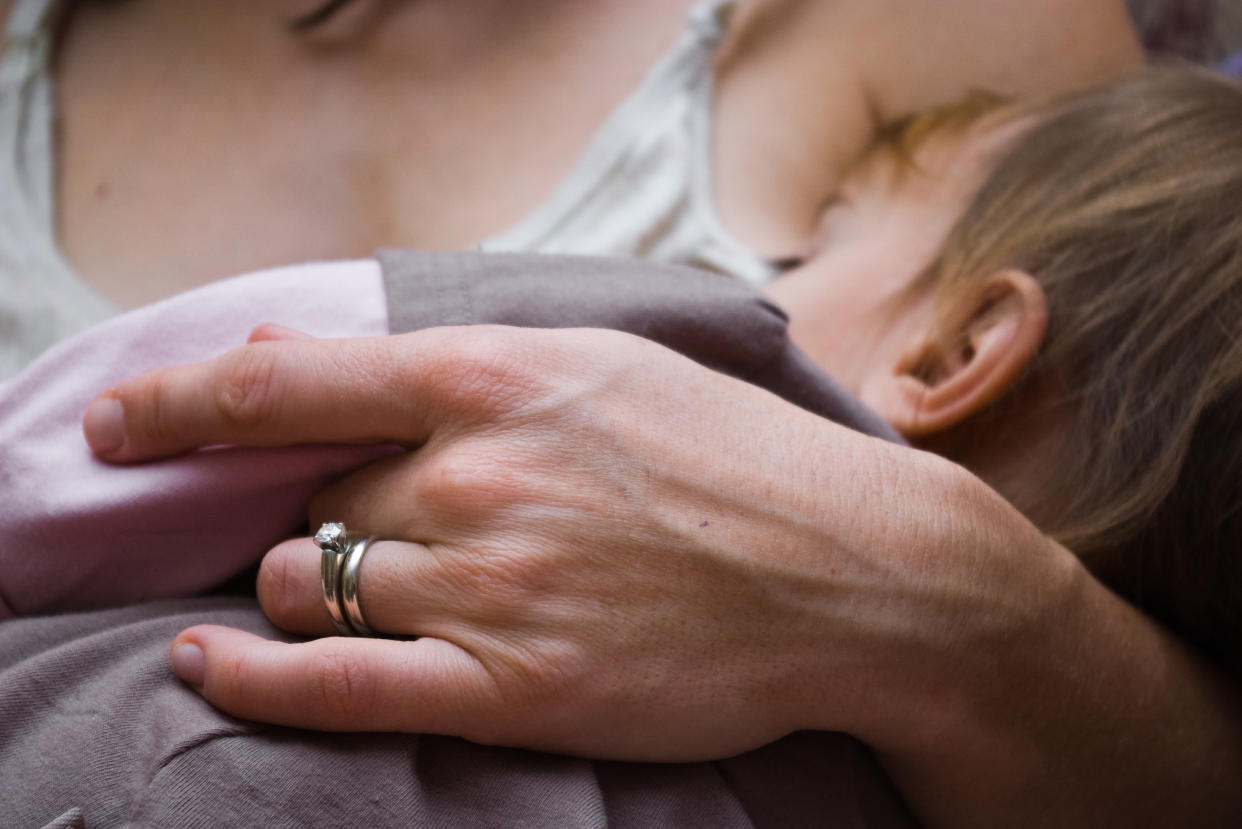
(349, 587)
(338, 573)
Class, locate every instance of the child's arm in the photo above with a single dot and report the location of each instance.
(79, 534)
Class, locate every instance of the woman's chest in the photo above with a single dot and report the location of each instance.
(199, 141)
(195, 143)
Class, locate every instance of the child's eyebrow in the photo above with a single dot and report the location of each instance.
(905, 135)
(831, 200)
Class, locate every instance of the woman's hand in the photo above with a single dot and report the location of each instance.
(613, 551)
(621, 554)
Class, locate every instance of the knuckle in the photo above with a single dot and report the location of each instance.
(232, 678)
(507, 587)
(277, 588)
(469, 482)
(338, 684)
(489, 581)
(245, 395)
(154, 425)
(492, 369)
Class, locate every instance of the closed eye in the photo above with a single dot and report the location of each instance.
(787, 263)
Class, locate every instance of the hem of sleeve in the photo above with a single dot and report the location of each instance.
(426, 289)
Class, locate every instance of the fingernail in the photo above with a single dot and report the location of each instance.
(104, 425)
(269, 331)
(189, 663)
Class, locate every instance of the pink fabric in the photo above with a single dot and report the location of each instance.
(79, 534)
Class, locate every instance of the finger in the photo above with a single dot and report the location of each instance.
(290, 591)
(270, 332)
(435, 493)
(268, 393)
(385, 389)
(338, 684)
(384, 497)
(401, 590)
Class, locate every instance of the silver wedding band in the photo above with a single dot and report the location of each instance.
(349, 587)
(338, 574)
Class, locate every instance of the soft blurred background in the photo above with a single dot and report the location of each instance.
(1204, 30)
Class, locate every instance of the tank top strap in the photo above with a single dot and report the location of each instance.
(27, 38)
(689, 59)
(709, 20)
(41, 299)
(632, 131)
(25, 104)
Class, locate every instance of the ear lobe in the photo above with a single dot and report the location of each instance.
(944, 380)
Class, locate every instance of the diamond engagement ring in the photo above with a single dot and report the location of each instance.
(338, 573)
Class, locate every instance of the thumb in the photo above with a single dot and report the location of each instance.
(339, 684)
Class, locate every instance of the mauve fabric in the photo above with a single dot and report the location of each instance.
(718, 321)
(81, 534)
(94, 729)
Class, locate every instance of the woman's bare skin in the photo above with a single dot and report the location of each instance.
(201, 140)
(438, 123)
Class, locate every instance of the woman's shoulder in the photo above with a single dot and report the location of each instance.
(935, 50)
(831, 72)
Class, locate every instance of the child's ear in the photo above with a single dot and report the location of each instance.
(944, 379)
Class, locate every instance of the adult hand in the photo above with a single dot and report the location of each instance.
(614, 551)
(621, 554)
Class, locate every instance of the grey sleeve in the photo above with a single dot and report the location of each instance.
(95, 731)
(715, 320)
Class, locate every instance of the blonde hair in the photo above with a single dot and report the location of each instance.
(1125, 203)
(902, 138)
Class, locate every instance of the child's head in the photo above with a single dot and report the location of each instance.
(1076, 335)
